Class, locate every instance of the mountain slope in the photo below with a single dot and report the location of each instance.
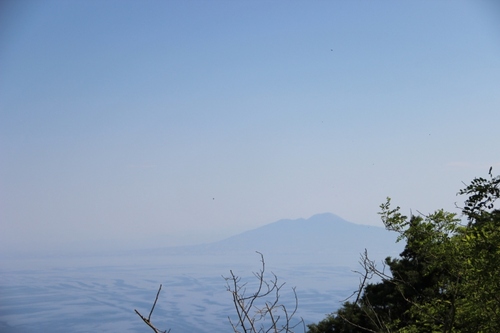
(321, 238)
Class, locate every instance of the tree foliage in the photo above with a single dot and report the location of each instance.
(447, 279)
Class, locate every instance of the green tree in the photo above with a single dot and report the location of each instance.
(447, 279)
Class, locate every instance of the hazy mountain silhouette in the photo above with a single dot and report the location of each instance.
(323, 237)
(316, 255)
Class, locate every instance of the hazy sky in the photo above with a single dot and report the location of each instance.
(174, 122)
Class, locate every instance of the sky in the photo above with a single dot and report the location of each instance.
(127, 124)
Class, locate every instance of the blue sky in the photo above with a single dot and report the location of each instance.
(150, 123)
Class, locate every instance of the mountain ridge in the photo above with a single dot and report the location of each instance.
(325, 237)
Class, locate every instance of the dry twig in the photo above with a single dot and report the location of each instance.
(148, 319)
(255, 317)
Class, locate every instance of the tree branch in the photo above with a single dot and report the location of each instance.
(148, 319)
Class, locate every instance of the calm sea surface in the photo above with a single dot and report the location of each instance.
(99, 294)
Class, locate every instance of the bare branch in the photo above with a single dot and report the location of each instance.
(154, 304)
(255, 317)
(148, 319)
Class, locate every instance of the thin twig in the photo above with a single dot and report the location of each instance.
(154, 304)
(148, 319)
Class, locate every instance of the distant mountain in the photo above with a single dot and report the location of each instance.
(316, 255)
(322, 238)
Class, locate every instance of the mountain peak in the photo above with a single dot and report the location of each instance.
(324, 234)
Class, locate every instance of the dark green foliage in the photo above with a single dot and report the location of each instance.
(447, 279)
